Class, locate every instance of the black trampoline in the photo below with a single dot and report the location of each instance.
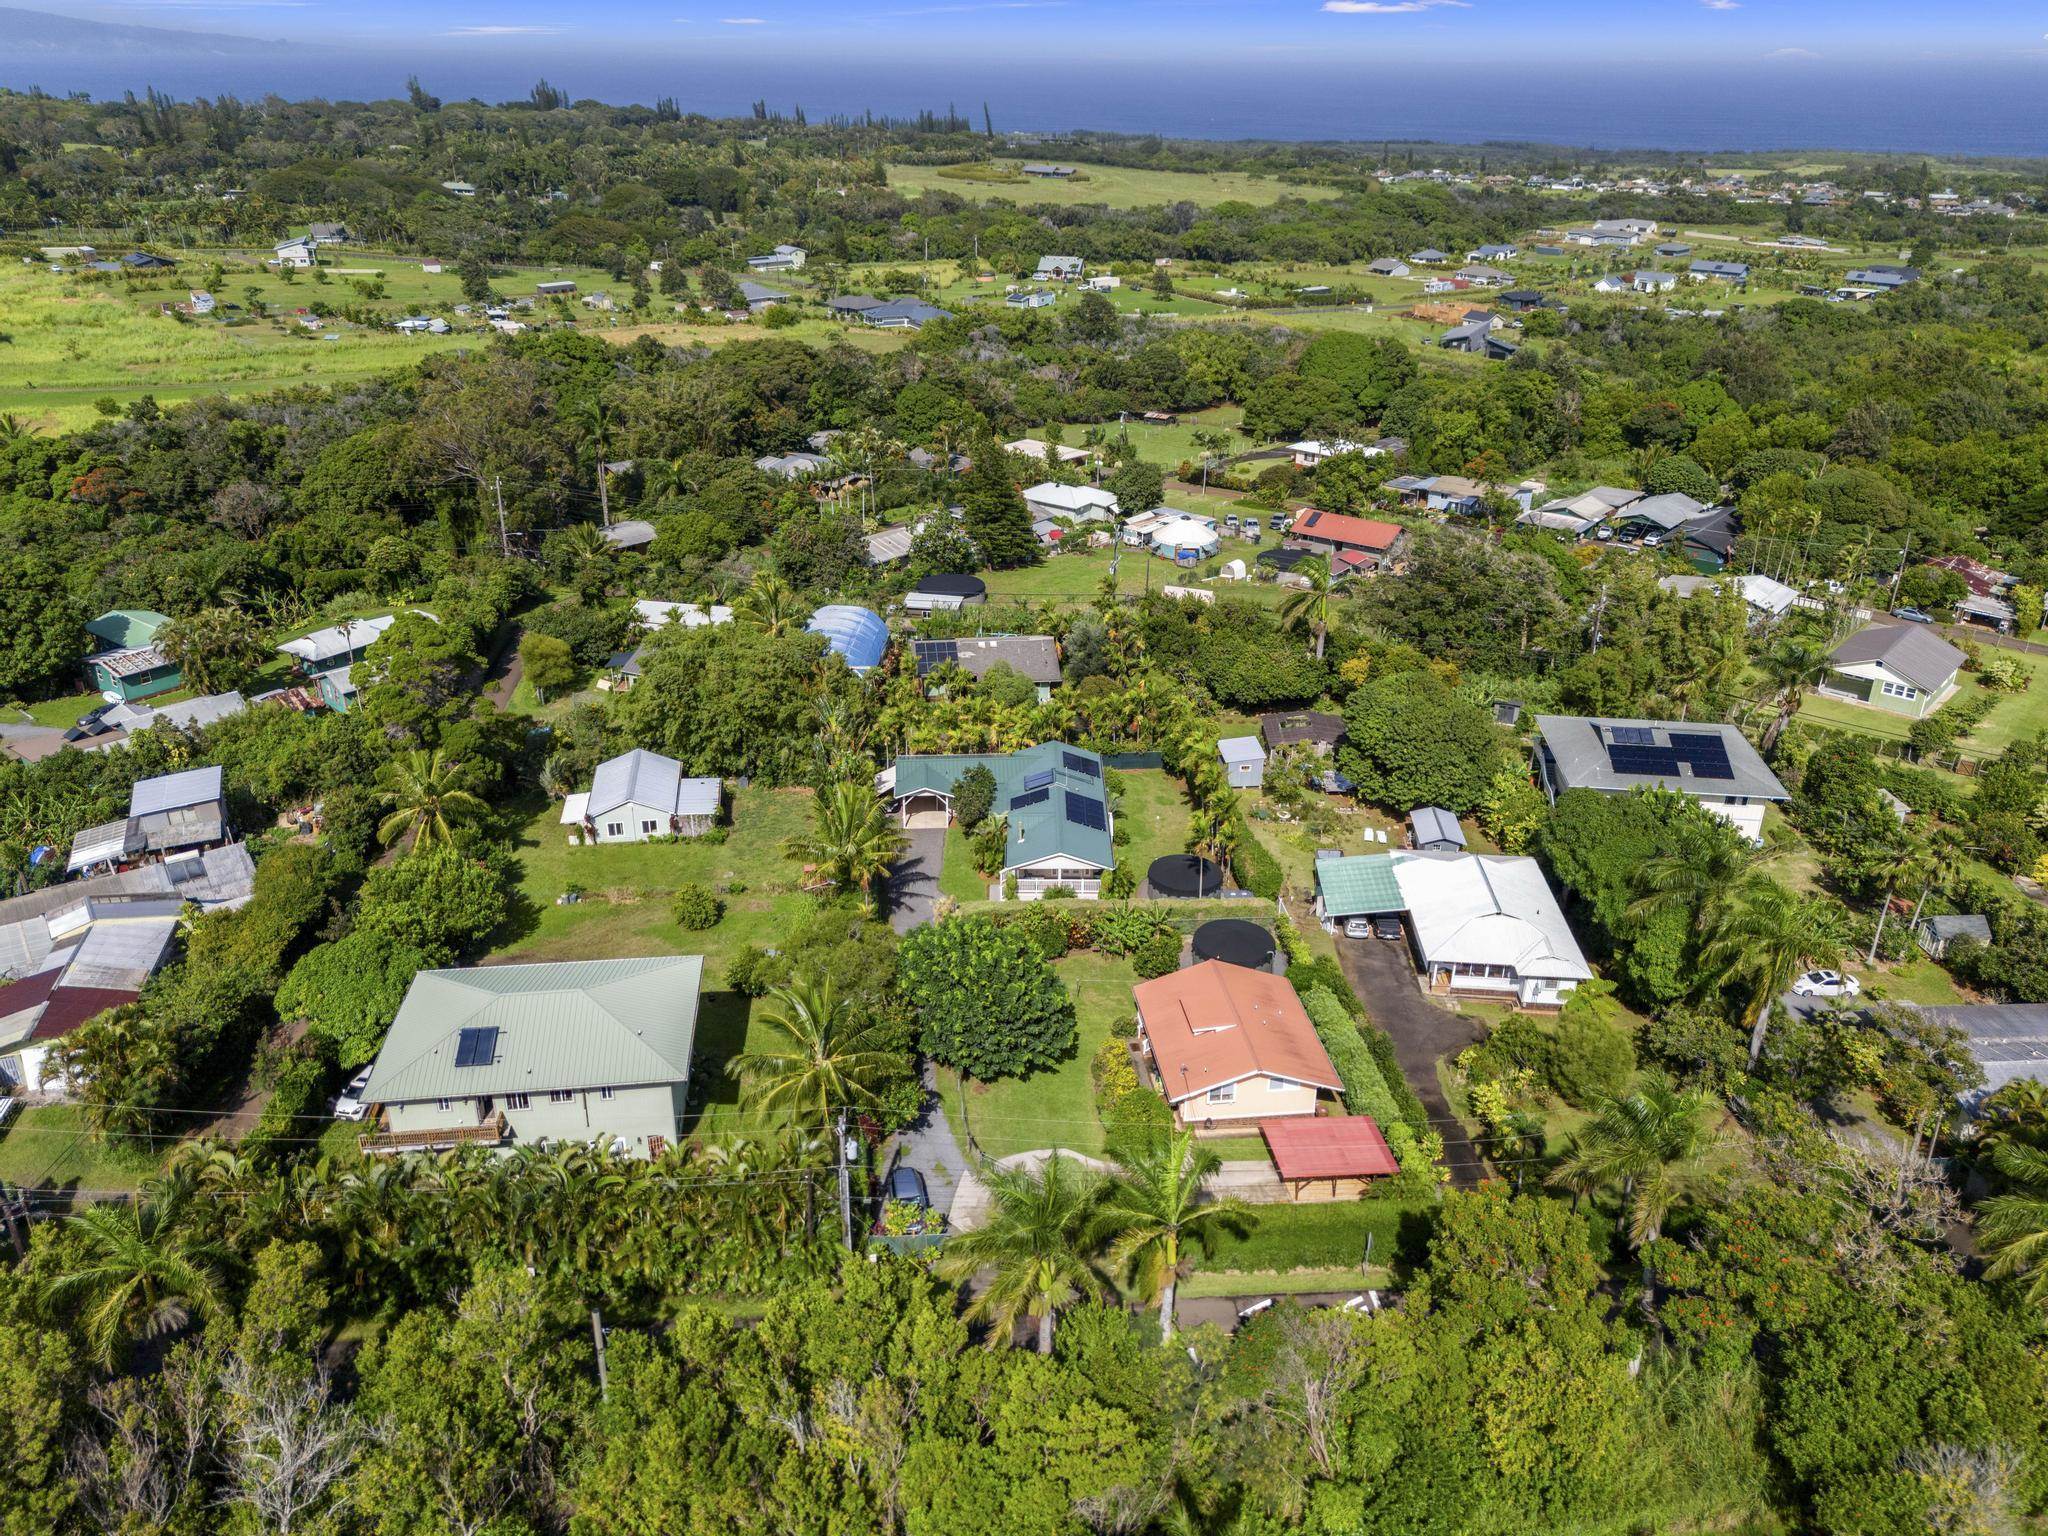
(968, 589)
(1183, 874)
(1236, 941)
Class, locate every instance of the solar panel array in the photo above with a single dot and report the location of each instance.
(476, 1047)
(1074, 762)
(1083, 812)
(1632, 749)
(932, 654)
(1030, 798)
(1038, 780)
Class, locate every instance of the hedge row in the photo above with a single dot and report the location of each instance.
(1365, 1085)
(1254, 866)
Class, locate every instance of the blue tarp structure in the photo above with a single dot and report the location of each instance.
(857, 635)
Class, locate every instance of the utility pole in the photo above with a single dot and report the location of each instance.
(845, 1188)
(504, 539)
(597, 1333)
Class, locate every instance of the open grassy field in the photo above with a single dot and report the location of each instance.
(1070, 580)
(48, 1147)
(625, 910)
(1328, 1237)
(1115, 186)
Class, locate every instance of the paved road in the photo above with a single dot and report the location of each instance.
(1379, 972)
(914, 883)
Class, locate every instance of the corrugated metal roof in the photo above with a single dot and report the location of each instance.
(1358, 885)
(175, 791)
(566, 1026)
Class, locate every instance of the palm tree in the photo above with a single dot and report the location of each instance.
(1697, 879)
(770, 605)
(1310, 604)
(1040, 1244)
(428, 801)
(854, 843)
(1796, 663)
(1209, 445)
(1650, 1143)
(828, 1055)
(1155, 1207)
(596, 419)
(1763, 936)
(139, 1273)
(2014, 1225)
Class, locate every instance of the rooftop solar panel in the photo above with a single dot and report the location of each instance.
(1630, 736)
(935, 653)
(1707, 754)
(476, 1047)
(1074, 762)
(1030, 798)
(1038, 780)
(1084, 812)
(1655, 762)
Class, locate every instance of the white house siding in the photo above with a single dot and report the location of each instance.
(631, 1114)
(1501, 980)
(632, 824)
(1253, 1099)
(1034, 880)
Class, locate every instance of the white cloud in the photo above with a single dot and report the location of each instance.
(500, 31)
(1390, 7)
(1722, 5)
(1792, 54)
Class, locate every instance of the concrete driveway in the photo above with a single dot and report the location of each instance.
(914, 882)
(1380, 973)
(929, 1146)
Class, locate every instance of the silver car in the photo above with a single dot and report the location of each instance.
(349, 1105)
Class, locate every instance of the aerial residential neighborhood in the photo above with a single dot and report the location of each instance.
(908, 822)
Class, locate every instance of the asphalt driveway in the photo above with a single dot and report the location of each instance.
(1380, 973)
(914, 882)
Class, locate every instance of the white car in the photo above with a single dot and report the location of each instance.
(350, 1105)
(1826, 984)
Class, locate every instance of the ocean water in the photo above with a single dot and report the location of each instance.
(1928, 109)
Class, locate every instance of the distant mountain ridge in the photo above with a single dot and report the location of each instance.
(45, 32)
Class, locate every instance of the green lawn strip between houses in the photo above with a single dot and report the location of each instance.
(49, 1146)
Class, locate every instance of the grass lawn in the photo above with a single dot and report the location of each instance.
(49, 1146)
(1156, 811)
(625, 910)
(1157, 443)
(62, 714)
(958, 877)
(1326, 1236)
(1070, 580)
(1113, 185)
(1915, 980)
(2013, 717)
(1293, 1282)
(1055, 1108)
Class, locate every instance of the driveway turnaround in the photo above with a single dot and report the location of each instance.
(1380, 973)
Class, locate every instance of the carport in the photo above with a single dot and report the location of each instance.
(1356, 885)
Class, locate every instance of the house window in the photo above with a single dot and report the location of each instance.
(648, 827)
(559, 1095)
(1277, 1085)
(604, 1093)
(1901, 691)
(614, 829)
(1224, 1094)
(518, 1101)
(443, 1105)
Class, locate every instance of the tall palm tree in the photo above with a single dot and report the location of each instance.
(596, 419)
(828, 1056)
(853, 842)
(1040, 1245)
(1763, 936)
(1697, 878)
(428, 801)
(2014, 1225)
(1797, 662)
(139, 1274)
(1650, 1143)
(770, 605)
(1154, 1209)
(1309, 605)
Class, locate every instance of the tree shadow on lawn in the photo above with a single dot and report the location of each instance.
(721, 1035)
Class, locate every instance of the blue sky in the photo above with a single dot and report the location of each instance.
(1776, 35)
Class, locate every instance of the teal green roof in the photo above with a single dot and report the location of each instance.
(1358, 885)
(575, 1024)
(125, 628)
(1058, 825)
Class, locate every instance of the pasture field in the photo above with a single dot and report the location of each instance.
(1112, 185)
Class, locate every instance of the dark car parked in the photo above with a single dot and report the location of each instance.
(907, 1185)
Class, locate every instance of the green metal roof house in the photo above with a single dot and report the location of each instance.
(1051, 795)
(126, 662)
(516, 1055)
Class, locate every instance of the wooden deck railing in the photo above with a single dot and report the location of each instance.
(488, 1131)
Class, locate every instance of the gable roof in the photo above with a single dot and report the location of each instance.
(853, 303)
(757, 293)
(1074, 500)
(1434, 824)
(910, 312)
(1339, 528)
(1217, 1023)
(1299, 725)
(1666, 511)
(1240, 749)
(1484, 909)
(569, 1025)
(337, 640)
(640, 777)
(1913, 651)
(127, 628)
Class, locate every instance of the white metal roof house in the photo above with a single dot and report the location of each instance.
(784, 258)
(1488, 924)
(337, 645)
(518, 1055)
(1244, 761)
(1579, 515)
(1082, 503)
(1059, 269)
(1713, 764)
(653, 614)
(641, 794)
